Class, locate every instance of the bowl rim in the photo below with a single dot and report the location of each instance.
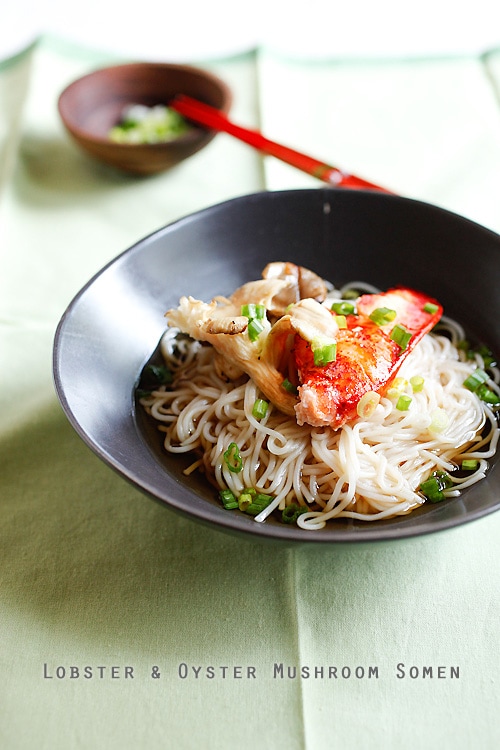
(193, 134)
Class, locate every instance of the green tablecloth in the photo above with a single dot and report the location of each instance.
(95, 575)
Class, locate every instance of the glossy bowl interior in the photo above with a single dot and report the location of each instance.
(90, 106)
(113, 326)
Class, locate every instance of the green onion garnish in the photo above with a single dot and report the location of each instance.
(434, 486)
(367, 404)
(403, 403)
(159, 373)
(487, 395)
(382, 315)
(475, 379)
(246, 498)
(259, 409)
(253, 311)
(470, 464)
(232, 458)
(343, 308)
(255, 314)
(324, 352)
(258, 504)
(430, 308)
(255, 328)
(292, 512)
(290, 387)
(417, 383)
(228, 499)
(439, 420)
(341, 321)
(401, 336)
(351, 294)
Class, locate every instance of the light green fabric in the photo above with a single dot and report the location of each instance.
(95, 574)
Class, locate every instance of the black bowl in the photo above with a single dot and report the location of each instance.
(113, 326)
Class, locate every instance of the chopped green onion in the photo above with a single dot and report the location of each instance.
(431, 490)
(232, 458)
(259, 503)
(159, 373)
(403, 403)
(439, 421)
(343, 308)
(292, 512)
(433, 487)
(470, 464)
(252, 311)
(487, 395)
(290, 387)
(140, 124)
(255, 328)
(351, 294)
(341, 321)
(430, 308)
(382, 315)
(401, 336)
(393, 393)
(324, 352)
(245, 500)
(475, 379)
(367, 404)
(397, 388)
(417, 383)
(259, 409)
(228, 499)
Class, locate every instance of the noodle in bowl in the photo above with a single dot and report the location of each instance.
(369, 469)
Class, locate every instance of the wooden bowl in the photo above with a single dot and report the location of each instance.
(90, 106)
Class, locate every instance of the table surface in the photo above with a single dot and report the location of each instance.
(123, 625)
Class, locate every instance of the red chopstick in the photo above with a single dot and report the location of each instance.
(203, 114)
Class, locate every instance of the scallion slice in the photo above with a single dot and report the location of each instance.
(252, 311)
(417, 383)
(430, 308)
(343, 308)
(470, 464)
(433, 487)
(229, 500)
(289, 387)
(475, 379)
(488, 396)
(367, 404)
(292, 512)
(259, 502)
(401, 336)
(324, 351)
(232, 458)
(260, 408)
(255, 328)
(382, 315)
(403, 403)
(439, 420)
(245, 500)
